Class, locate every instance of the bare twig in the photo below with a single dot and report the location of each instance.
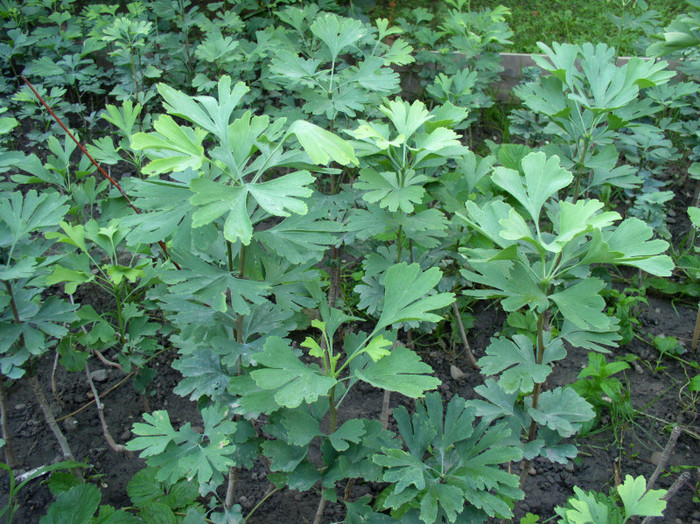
(677, 484)
(100, 413)
(665, 456)
(48, 415)
(696, 332)
(10, 455)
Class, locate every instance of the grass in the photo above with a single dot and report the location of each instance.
(574, 21)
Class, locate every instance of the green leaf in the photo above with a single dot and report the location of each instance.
(31, 212)
(640, 502)
(544, 177)
(174, 147)
(405, 300)
(401, 371)
(407, 119)
(292, 381)
(205, 111)
(518, 359)
(337, 33)
(386, 189)
(322, 145)
(582, 304)
(631, 240)
(351, 431)
(562, 410)
(77, 506)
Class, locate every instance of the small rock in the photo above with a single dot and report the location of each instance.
(70, 424)
(678, 521)
(532, 471)
(655, 458)
(20, 406)
(99, 375)
(456, 373)
(297, 497)
(569, 467)
(198, 429)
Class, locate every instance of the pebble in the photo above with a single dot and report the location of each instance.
(532, 471)
(99, 375)
(70, 424)
(456, 373)
(20, 406)
(569, 467)
(655, 458)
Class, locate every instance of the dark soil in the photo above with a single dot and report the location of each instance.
(605, 456)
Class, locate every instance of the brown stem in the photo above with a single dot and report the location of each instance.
(106, 361)
(696, 332)
(232, 487)
(463, 334)
(10, 455)
(48, 415)
(54, 388)
(100, 413)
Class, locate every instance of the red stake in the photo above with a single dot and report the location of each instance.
(94, 162)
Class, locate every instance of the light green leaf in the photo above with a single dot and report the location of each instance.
(378, 348)
(640, 502)
(322, 145)
(215, 199)
(386, 189)
(77, 506)
(401, 371)
(292, 381)
(282, 195)
(544, 177)
(174, 148)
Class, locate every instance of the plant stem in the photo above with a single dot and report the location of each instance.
(10, 455)
(322, 503)
(463, 334)
(696, 332)
(532, 432)
(579, 171)
(231, 488)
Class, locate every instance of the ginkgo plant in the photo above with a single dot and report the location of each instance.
(540, 258)
(296, 395)
(587, 99)
(401, 159)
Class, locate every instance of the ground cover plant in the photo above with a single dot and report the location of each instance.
(269, 226)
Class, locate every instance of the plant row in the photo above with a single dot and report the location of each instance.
(289, 203)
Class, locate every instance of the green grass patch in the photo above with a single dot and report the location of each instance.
(574, 21)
